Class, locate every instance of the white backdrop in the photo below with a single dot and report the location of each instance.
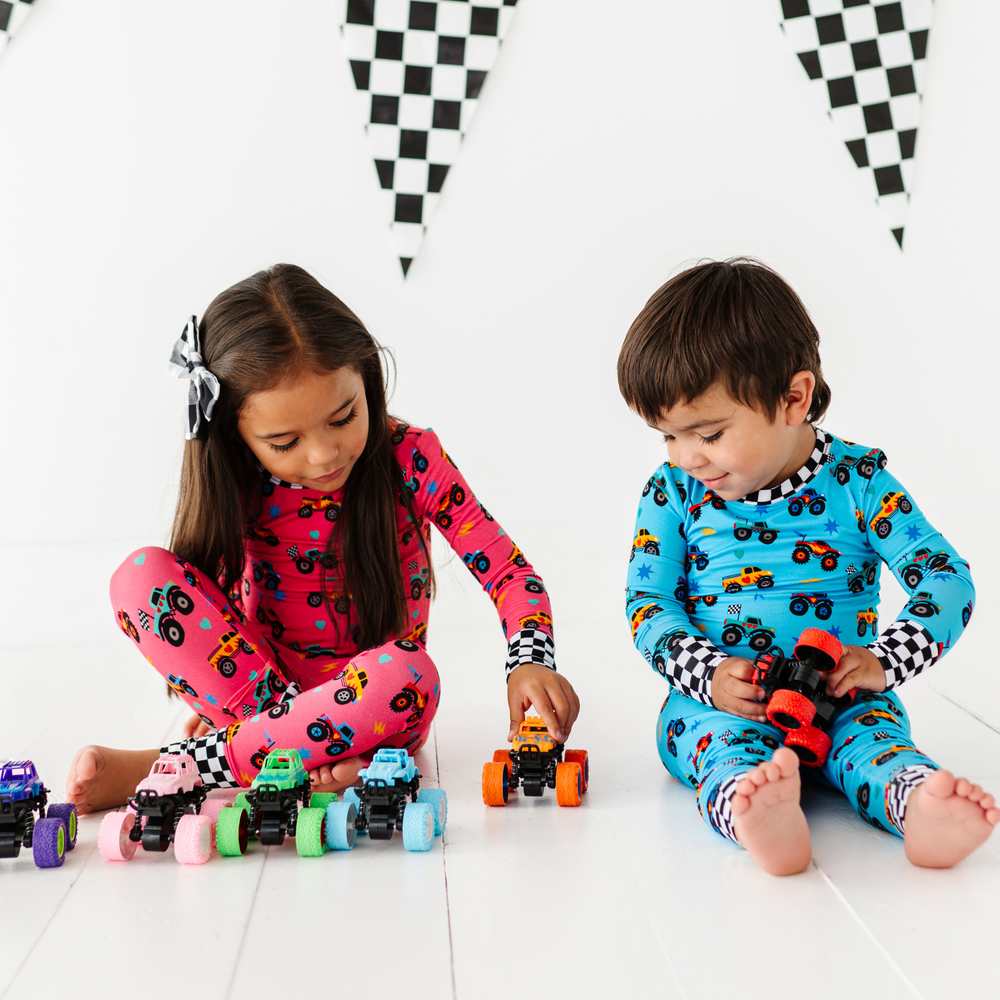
(152, 155)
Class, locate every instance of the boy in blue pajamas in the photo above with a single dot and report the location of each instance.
(762, 525)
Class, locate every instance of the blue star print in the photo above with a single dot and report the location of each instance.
(831, 526)
(913, 532)
(305, 753)
(431, 487)
(279, 595)
(211, 699)
(274, 510)
(834, 631)
(645, 572)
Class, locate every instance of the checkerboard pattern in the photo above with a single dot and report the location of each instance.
(905, 648)
(12, 15)
(866, 62)
(209, 754)
(418, 68)
(897, 793)
(691, 667)
(530, 645)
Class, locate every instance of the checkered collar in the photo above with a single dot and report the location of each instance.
(797, 480)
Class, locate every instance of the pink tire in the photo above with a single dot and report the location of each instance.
(113, 841)
(193, 839)
(211, 808)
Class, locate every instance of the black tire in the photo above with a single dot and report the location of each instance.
(765, 583)
(344, 696)
(843, 474)
(226, 666)
(660, 498)
(647, 487)
(718, 503)
(883, 528)
(702, 562)
(823, 611)
(868, 720)
(336, 748)
(870, 575)
(710, 599)
(133, 631)
(800, 555)
(277, 711)
(770, 742)
(795, 508)
(532, 587)
(172, 630)
(829, 562)
(314, 600)
(341, 605)
(741, 534)
(407, 644)
(415, 589)
(733, 588)
(922, 609)
(862, 629)
(180, 601)
(674, 639)
(817, 507)
(671, 748)
(258, 574)
(420, 462)
(690, 607)
(681, 492)
(246, 648)
(457, 495)
(443, 521)
(904, 505)
(856, 585)
(798, 606)
(189, 690)
(481, 562)
(864, 796)
(267, 488)
(402, 701)
(304, 565)
(912, 577)
(681, 593)
(318, 731)
(332, 513)
(660, 665)
(760, 641)
(305, 512)
(966, 615)
(696, 513)
(767, 537)
(261, 617)
(882, 460)
(651, 548)
(866, 468)
(731, 636)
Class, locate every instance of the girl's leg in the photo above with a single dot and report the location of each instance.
(747, 785)
(386, 696)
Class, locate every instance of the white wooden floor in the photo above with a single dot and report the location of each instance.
(628, 895)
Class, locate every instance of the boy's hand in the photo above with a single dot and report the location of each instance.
(732, 691)
(860, 668)
(551, 695)
(195, 727)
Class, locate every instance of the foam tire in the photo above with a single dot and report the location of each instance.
(310, 833)
(231, 834)
(582, 758)
(65, 811)
(820, 639)
(495, 783)
(789, 710)
(502, 757)
(193, 839)
(437, 799)
(569, 784)
(320, 800)
(811, 744)
(113, 841)
(351, 795)
(49, 843)
(418, 827)
(341, 833)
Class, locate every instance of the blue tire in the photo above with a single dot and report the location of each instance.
(418, 827)
(437, 799)
(340, 831)
(351, 795)
(65, 811)
(49, 843)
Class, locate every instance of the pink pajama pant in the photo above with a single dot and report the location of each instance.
(233, 677)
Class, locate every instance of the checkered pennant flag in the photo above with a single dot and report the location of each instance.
(12, 16)
(735, 609)
(866, 62)
(418, 68)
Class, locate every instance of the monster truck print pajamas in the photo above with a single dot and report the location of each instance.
(710, 578)
(277, 669)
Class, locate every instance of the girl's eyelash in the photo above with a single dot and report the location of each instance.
(285, 447)
(334, 423)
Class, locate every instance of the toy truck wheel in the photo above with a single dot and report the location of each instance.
(180, 601)
(811, 744)
(503, 757)
(172, 631)
(866, 468)
(817, 507)
(904, 505)
(760, 641)
(340, 831)
(113, 840)
(922, 609)
(829, 561)
(819, 641)
(823, 611)
(310, 833)
(883, 528)
(351, 795)
(231, 831)
(790, 710)
(305, 512)
(798, 606)
(765, 582)
(582, 758)
(966, 615)
(710, 599)
(304, 565)
(437, 799)
(768, 536)
(314, 600)
(331, 513)
(65, 811)
(733, 588)
(569, 784)
(49, 843)
(862, 628)
(742, 534)
(418, 827)
(731, 636)
(227, 667)
(800, 555)
(795, 507)
(496, 786)
(193, 839)
(344, 696)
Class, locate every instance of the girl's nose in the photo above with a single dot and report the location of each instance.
(323, 454)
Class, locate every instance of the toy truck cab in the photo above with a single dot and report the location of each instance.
(532, 731)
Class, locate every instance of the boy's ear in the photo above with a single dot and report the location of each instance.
(799, 398)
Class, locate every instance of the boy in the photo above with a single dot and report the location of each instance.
(760, 524)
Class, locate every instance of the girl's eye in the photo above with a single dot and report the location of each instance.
(350, 416)
(713, 437)
(285, 447)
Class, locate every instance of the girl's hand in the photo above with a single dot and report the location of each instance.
(551, 695)
(860, 668)
(195, 727)
(733, 692)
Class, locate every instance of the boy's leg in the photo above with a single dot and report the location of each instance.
(386, 696)
(742, 793)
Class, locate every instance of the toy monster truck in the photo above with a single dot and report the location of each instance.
(795, 692)
(534, 761)
(379, 806)
(22, 794)
(279, 803)
(167, 808)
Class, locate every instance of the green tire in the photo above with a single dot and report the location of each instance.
(310, 833)
(242, 803)
(228, 838)
(320, 800)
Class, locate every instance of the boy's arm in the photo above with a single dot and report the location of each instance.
(657, 592)
(938, 580)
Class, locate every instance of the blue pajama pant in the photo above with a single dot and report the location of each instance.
(873, 760)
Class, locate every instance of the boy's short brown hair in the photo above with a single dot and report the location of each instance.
(734, 322)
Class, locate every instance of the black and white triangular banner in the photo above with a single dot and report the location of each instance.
(418, 68)
(866, 62)
(12, 15)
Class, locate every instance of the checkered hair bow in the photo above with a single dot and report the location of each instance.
(186, 362)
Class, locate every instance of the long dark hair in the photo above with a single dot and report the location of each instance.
(272, 327)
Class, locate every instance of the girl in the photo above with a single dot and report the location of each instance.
(292, 608)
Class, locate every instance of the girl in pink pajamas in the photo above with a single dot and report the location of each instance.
(291, 611)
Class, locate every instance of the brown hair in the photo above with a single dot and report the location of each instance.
(735, 322)
(256, 335)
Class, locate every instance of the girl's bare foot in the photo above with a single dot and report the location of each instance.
(336, 777)
(769, 821)
(100, 777)
(947, 819)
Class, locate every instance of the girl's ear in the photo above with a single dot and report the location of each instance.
(799, 398)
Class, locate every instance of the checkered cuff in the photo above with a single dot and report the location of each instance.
(531, 645)
(209, 754)
(905, 648)
(722, 811)
(897, 793)
(691, 667)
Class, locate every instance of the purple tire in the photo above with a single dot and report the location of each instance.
(65, 811)
(49, 843)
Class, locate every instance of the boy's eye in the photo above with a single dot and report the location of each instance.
(712, 437)
(285, 447)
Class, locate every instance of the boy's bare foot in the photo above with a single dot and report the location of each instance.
(769, 821)
(947, 819)
(100, 777)
(336, 777)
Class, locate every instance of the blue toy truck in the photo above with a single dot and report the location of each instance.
(22, 794)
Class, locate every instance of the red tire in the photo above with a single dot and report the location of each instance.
(789, 710)
(822, 642)
(811, 744)
(583, 759)
(495, 789)
(569, 784)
